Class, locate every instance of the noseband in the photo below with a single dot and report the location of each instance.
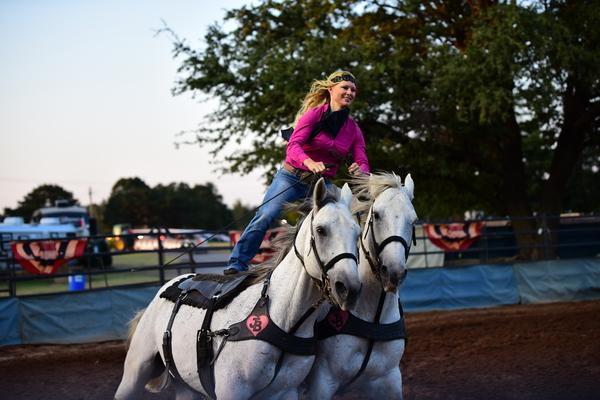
(323, 284)
(377, 264)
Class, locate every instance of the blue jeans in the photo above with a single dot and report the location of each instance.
(250, 240)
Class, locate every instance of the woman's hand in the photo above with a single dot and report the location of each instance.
(354, 169)
(314, 167)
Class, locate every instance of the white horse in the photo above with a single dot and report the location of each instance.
(323, 252)
(346, 362)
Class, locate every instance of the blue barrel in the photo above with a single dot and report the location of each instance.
(76, 282)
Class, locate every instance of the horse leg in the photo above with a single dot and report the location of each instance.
(321, 383)
(388, 386)
(290, 394)
(183, 392)
(142, 363)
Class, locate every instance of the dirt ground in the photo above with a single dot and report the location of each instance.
(548, 352)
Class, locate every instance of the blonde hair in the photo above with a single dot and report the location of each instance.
(319, 93)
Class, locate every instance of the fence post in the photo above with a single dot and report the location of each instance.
(545, 235)
(12, 285)
(485, 242)
(88, 268)
(161, 258)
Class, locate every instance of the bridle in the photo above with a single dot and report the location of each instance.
(323, 284)
(376, 264)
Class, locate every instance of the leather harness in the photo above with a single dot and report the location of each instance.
(339, 322)
(257, 326)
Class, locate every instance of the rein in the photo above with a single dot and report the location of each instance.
(303, 180)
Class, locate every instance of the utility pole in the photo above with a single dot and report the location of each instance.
(91, 203)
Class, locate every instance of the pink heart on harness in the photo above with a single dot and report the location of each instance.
(257, 323)
(337, 319)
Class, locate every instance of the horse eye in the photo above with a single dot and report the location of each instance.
(321, 231)
(375, 215)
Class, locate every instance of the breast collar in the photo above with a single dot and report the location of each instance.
(260, 326)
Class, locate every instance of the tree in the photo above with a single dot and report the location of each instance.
(242, 214)
(176, 205)
(179, 205)
(129, 202)
(41, 196)
(490, 105)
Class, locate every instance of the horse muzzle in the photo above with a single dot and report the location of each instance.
(392, 279)
(345, 290)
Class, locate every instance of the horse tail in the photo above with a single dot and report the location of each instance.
(160, 375)
(133, 323)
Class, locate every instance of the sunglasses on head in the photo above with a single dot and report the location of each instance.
(345, 77)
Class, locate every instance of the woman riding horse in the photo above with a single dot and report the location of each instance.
(323, 137)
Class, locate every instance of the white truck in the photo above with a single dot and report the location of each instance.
(64, 212)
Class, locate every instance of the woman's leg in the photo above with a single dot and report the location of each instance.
(285, 188)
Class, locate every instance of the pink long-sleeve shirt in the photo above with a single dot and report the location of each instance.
(322, 147)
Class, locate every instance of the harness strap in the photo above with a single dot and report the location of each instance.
(372, 264)
(204, 352)
(167, 349)
(340, 322)
(293, 330)
(371, 343)
(261, 327)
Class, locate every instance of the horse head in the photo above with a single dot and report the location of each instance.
(330, 251)
(388, 226)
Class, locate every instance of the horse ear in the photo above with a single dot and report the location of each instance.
(319, 194)
(346, 195)
(409, 186)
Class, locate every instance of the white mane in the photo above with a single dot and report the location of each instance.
(367, 188)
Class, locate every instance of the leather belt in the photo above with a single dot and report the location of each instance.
(300, 173)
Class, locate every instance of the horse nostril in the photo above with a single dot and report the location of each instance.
(340, 288)
(353, 297)
(394, 279)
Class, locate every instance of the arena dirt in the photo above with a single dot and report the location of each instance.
(548, 351)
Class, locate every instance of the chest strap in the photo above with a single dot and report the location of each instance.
(259, 326)
(339, 322)
(256, 324)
